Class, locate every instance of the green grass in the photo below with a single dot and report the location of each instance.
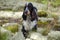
(12, 28)
(42, 1)
(3, 36)
(30, 0)
(38, 1)
(55, 3)
(45, 31)
(40, 23)
(42, 14)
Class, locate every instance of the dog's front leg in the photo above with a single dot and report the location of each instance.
(25, 29)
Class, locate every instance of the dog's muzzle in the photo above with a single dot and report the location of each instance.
(27, 12)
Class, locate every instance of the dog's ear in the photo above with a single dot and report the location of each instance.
(35, 8)
(34, 13)
(24, 7)
(24, 16)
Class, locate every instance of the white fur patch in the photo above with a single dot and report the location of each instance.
(29, 25)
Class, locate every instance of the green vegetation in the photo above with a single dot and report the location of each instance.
(57, 27)
(30, 0)
(55, 3)
(45, 31)
(3, 36)
(42, 14)
(38, 1)
(40, 23)
(12, 28)
(42, 1)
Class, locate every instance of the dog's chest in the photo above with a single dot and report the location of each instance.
(28, 24)
(29, 18)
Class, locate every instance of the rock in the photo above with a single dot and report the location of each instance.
(37, 36)
(43, 31)
(28, 39)
(17, 15)
(10, 14)
(18, 35)
(6, 14)
(45, 19)
(9, 24)
(39, 29)
(54, 35)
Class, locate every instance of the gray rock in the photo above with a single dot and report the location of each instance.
(18, 36)
(54, 35)
(37, 36)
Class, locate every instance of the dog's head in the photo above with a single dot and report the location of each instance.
(28, 8)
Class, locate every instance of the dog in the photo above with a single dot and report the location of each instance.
(29, 19)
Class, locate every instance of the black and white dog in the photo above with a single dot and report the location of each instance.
(29, 18)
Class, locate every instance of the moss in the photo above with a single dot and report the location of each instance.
(30, 0)
(42, 1)
(55, 3)
(40, 23)
(54, 15)
(3, 36)
(8, 9)
(45, 31)
(42, 14)
(2, 18)
(57, 27)
(12, 28)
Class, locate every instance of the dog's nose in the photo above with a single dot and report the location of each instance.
(26, 12)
